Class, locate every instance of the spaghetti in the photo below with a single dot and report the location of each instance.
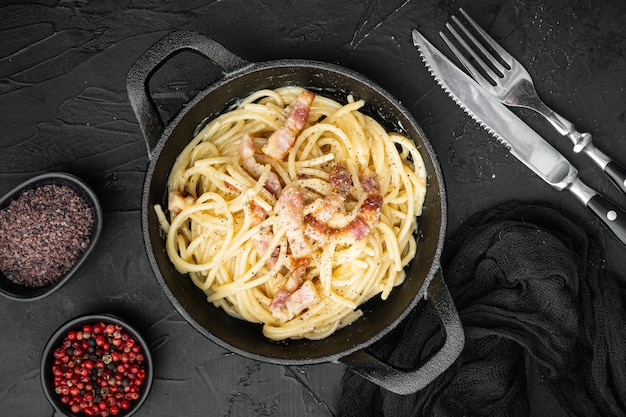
(292, 209)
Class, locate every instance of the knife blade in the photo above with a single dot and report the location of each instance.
(522, 141)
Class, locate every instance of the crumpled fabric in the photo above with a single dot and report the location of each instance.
(530, 287)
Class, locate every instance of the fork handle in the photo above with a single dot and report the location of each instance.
(581, 142)
(617, 173)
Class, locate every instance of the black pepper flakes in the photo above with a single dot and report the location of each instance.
(43, 233)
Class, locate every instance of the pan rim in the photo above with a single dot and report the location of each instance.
(292, 64)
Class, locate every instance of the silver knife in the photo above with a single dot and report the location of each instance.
(523, 142)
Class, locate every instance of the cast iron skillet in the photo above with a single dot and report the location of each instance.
(348, 345)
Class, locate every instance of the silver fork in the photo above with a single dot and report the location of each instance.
(507, 79)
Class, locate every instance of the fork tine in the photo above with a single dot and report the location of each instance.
(504, 55)
(485, 54)
(478, 61)
(475, 73)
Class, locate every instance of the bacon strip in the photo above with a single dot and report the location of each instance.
(293, 283)
(262, 240)
(256, 169)
(341, 182)
(177, 202)
(290, 208)
(303, 298)
(282, 140)
(286, 305)
(277, 306)
(367, 218)
(295, 296)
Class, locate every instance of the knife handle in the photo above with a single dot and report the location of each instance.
(610, 214)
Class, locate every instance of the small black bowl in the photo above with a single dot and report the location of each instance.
(47, 362)
(19, 292)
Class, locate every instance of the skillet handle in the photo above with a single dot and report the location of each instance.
(140, 72)
(407, 382)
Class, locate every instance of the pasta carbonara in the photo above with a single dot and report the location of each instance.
(292, 209)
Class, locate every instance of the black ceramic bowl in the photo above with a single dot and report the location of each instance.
(48, 360)
(27, 293)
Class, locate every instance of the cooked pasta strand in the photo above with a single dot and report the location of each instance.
(238, 247)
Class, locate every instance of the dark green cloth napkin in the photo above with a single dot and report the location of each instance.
(529, 284)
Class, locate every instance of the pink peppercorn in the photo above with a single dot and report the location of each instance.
(92, 374)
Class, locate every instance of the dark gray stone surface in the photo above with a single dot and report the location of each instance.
(63, 107)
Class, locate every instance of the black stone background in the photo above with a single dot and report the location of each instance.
(63, 107)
